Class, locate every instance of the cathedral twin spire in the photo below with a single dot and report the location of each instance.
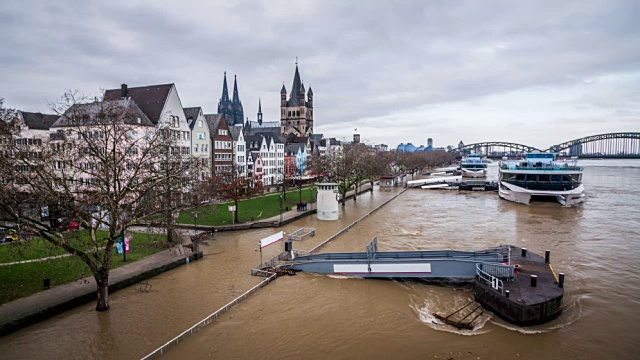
(234, 112)
(231, 109)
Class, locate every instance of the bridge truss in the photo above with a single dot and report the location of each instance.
(494, 149)
(612, 145)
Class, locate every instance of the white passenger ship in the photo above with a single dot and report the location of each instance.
(541, 175)
(473, 166)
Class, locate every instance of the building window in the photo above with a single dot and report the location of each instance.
(200, 123)
(200, 136)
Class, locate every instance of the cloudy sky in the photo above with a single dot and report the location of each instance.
(531, 72)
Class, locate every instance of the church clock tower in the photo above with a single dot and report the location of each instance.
(296, 114)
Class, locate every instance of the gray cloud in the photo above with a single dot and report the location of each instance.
(374, 65)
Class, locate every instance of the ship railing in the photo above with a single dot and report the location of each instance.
(545, 167)
(434, 255)
(492, 275)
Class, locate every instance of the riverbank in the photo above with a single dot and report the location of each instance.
(25, 264)
(26, 311)
(45, 304)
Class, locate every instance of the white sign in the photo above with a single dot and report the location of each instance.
(269, 240)
(424, 268)
(232, 208)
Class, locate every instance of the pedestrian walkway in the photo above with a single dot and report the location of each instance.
(47, 303)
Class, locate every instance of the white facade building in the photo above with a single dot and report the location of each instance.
(200, 140)
(239, 150)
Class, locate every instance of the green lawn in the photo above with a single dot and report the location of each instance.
(20, 280)
(254, 209)
(38, 248)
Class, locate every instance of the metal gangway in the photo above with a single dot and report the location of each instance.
(302, 234)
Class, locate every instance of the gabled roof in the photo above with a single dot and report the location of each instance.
(213, 120)
(235, 132)
(131, 114)
(150, 99)
(192, 114)
(277, 137)
(38, 121)
(293, 149)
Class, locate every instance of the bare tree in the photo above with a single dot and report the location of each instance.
(378, 164)
(101, 167)
(347, 167)
(230, 185)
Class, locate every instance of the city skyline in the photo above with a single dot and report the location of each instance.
(537, 74)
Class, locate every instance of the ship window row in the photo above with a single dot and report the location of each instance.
(543, 178)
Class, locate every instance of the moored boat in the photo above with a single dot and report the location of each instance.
(473, 166)
(541, 175)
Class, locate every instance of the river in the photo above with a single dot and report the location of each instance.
(312, 316)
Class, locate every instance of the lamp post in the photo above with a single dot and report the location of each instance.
(280, 210)
(196, 248)
(195, 219)
(300, 186)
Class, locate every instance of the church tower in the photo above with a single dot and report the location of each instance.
(231, 109)
(296, 114)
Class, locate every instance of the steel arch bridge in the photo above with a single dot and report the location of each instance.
(620, 145)
(494, 149)
(612, 145)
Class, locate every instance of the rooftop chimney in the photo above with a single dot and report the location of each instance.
(123, 90)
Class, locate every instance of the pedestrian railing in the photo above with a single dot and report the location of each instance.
(492, 275)
(211, 318)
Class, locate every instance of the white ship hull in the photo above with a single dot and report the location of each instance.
(470, 173)
(521, 195)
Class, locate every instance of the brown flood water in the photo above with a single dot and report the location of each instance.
(312, 316)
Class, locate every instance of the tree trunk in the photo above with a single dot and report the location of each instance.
(236, 212)
(102, 282)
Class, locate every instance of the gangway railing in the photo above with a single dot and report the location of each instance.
(493, 274)
(301, 234)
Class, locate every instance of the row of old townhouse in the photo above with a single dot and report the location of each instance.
(266, 152)
(220, 148)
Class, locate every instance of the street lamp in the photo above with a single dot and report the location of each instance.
(195, 218)
(196, 248)
(300, 185)
(280, 209)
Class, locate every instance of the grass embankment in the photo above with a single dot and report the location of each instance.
(20, 280)
(254, 209)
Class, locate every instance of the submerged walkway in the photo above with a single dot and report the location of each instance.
(31, 309)
(28, 310)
